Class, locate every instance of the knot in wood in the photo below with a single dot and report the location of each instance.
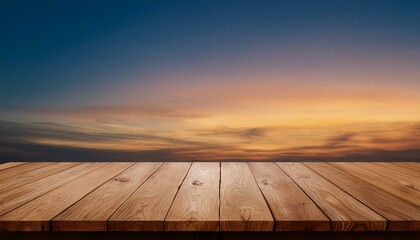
(122, 179)
(197, 183)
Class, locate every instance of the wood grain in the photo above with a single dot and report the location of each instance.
(345, 212)
(242, 205)
(19, 196)
(400, 177)
(147, 207)
(401, 167)
(409, 194)
(401, 215)
(92, 212)
(32, 176)
(210, 196)
(35, 215)
(21, 169)
(196, 206)
(413, 165)
(10, 164)
(291, 207)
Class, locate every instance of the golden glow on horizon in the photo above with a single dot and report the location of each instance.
(262, 143)
(250, 119)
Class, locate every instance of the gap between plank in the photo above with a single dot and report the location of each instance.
(76, 164)
(220, 187)
(13, 165)
(330, 221)
(373, 184)
(387, 220)
(107, 227)
(50, 221)
(47, 191)
(265, 199)
(173, 199)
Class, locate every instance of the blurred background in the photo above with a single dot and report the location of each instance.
(210, 80)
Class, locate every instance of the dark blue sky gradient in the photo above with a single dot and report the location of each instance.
(59, 47)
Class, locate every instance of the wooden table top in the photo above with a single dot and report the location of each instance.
(210, 196)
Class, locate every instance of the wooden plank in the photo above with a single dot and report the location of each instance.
(32, 176)
(310, 236)
(401, 191)
(19, 196)
(401, 215)
(305, 235)
(396, 176)
(400, 177)
(414, 165)
(92, 212)
(196, 206)
(10, 165)
(291, 207)
(21, 169)
(346, 213)
(76, 199)
(35, 215)
(242, 205)
(147, 207)
(402, 168)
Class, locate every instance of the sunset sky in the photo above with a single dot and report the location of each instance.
(209, 80)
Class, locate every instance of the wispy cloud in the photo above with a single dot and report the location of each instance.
(105, 114)
(340, 139)
(34, 132)
(62, 142)
(242, 133)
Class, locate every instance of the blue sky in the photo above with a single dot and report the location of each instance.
(57, 47)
